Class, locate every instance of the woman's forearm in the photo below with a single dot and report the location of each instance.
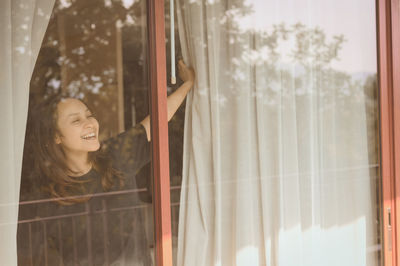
(176, 98)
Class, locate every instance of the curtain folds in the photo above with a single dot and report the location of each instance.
(276, 165)
(22, 27)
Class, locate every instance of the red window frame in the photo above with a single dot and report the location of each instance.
(395, 13)
(159, 132)
(388, 40)
(388, 18)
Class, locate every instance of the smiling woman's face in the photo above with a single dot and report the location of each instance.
(78, 128)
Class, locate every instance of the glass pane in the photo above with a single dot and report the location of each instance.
(281, 154)
(86, 181)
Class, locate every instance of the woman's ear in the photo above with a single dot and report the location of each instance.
(57, 139)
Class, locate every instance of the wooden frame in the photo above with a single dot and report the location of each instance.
(395, 38)
(389, 83)
(159, 132)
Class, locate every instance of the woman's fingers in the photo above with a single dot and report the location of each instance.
(185, 73)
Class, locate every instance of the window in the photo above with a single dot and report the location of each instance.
(120, 100)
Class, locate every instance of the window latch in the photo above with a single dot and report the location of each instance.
(389, 228)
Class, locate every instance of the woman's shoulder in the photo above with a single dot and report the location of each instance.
(127, 143)
(136, 133)
(130, 150)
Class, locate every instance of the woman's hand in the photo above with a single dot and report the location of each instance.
(186, 74)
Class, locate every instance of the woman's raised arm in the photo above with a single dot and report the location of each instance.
(176, 98)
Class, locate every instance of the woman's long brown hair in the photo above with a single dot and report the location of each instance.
(50, 160)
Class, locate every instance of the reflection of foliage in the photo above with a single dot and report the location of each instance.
(288, 59)
(80, 41)
(285, 61)
(79, 54)
(311, 45)
(89, 57)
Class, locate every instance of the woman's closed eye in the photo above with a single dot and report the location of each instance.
(77, 119)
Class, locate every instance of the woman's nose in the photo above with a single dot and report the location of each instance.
(88, 123)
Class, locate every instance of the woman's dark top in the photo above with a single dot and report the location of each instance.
(111, 228)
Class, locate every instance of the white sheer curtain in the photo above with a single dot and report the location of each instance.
(276, 156)
(22, 26)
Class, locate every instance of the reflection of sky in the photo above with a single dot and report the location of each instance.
(128, 3)
(354, 19)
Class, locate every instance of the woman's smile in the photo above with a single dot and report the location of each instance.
(90, 136)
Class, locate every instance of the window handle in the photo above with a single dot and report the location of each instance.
(172, 32)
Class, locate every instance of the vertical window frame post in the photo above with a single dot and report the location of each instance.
(388, 35)
(395, 38)
(159, 132)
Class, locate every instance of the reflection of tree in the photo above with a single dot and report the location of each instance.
(307, 53)
(79, 54)
(296, 61)
(92, 25)
(282, 68)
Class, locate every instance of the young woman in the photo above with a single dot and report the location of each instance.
(95, 216)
